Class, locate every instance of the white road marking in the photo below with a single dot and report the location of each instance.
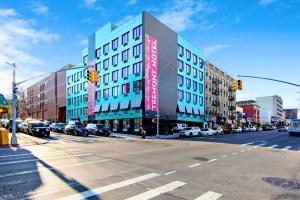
(209, 196)
(234, 153)
(243, 151)
(259, 145)
(23, 154)
(247, 144)
(273, 146)
(158, 191)
(194, 165)
(47, 158)
(212, 160)
(168, 173)
(100, 190)
(59, 167)
(286, 148)
(225, 156)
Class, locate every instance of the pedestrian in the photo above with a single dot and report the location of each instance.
(143, 132)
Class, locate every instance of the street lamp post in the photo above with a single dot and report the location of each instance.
(158, 114)
(13, 140)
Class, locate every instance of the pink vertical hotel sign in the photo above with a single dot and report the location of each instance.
(151, 73)
(91, 90)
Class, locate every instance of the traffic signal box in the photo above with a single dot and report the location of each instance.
(237, 85)
(92, 76)
(240, 84)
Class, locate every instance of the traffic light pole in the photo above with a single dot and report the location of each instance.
(270, 79)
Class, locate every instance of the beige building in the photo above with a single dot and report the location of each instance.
(220, 105)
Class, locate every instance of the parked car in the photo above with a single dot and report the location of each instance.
(282, 129)
(76, 128)
(190, 131)
(57, 127)
(207, 131)
(218, 131)
(37, 128)
(97, 129)
(237, 130)
(23, 127)
(47, 123)
(295, 127)
(178, 128)
(252, 128)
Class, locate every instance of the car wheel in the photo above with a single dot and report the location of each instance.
(191, 134)
(199, 134)
(48, 135)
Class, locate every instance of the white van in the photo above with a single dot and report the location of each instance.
(295, 127)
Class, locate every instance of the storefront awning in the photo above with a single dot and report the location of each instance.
(114, 106)
(124, 104)
(97, 108)
(195, 111)
(105, 107)
(189, 110)
(181, 108)
(136, 103)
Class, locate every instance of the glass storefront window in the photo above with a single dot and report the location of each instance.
(126, 125)
(115, 124)
(137, 124)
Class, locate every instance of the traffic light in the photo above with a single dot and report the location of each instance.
(235, 85)
(240, 84)
(92, 76)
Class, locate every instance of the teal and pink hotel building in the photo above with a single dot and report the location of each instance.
(144, 67)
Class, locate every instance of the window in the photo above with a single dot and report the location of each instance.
(200, 63)
(125, 38)
(137, 32)
(125, 72)
(200, 75)
(98, 95)
(180, 50)
(194, 72)
(115, 91)
(98, 65)
(188, 97)
(137, 50)
(85, 98)
(188, 55)
(200, 88)
(188, 83)
(106, 93)
(114, 60)
(188, 68)
(194, 59)
(201, 101)
(125, 55)
(125, 88)
(98, 53)
(105, 78)
(180, 65)
(180, 79)
(85, 60)
(195, 84)
(180, 94)
(114, 76)
(114, 44)
(106, 49)
(195, 99)
(85, 85)
(84, 73)
(137, 86)
(106, 63)
(137, 68)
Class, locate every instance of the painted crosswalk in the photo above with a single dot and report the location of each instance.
(265, 144)
(209, 196)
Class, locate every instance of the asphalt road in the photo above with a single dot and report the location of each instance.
(254, 166)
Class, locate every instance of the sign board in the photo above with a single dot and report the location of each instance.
(151, 73)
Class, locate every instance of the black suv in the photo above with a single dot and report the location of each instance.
(97, 129)
(37, 128)
(76, 128)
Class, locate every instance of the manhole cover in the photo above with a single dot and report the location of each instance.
(290, 184)
(201, 159)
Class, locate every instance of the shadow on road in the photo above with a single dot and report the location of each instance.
(20, 174)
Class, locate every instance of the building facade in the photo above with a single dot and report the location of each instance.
(251, 110)
(292, 113)
(145, 68)
(220, 99)
(273, 104)
(46, 99)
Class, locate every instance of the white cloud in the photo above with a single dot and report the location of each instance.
(17, 37)
(7, 12)
(132, 2)
(39, 8)
(89, 2)
(266, 2)
(211, 49)
(180, 14)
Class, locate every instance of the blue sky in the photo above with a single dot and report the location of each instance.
(249, 37)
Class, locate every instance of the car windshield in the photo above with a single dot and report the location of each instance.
(187, 129)
(100, 126)
(204, 129)
(38, 125)
(59, 125)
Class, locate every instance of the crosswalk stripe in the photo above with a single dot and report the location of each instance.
(247, 144)
(273, 146)
(48, 158)
(194, 165)
(212, 160)
(47, 168)
(158, 191)
(286, 148)
(209, 196)
(23, 154)
(96, 191)
(168, 173)
(259, 145)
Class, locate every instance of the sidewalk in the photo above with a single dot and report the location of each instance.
(26, 140)
(124, 135)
